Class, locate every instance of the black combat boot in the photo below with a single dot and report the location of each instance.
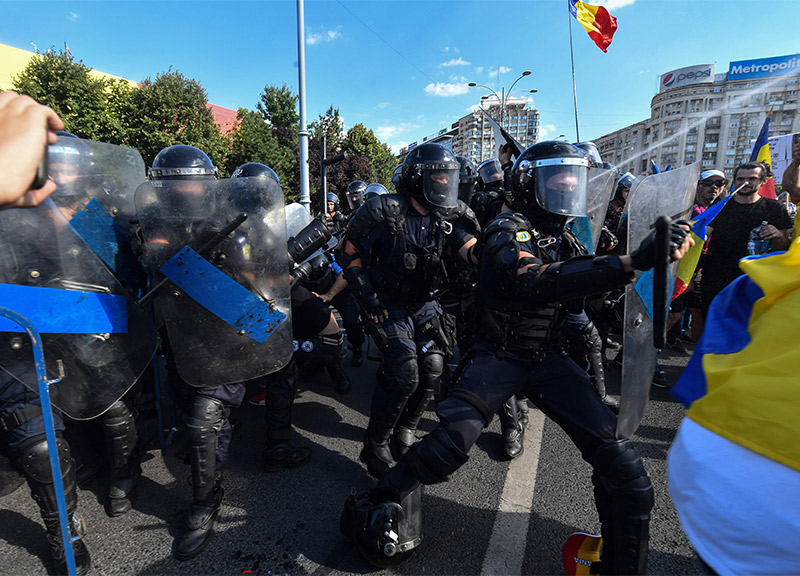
(200, 524)
(121, 432)
(280, 453)
(512, 429)
(35, 462)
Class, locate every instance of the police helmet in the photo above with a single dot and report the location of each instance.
(490, 175)
(550, 179)
(467, 178)
(592, 153)
(396, 177)
(355, 193)
(373, 190)
(255, 170)
(430, 175)
(182, 162)
(68, 159)
(331, 197)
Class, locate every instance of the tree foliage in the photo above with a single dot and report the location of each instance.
(88, 105)
(331, 126)
(361, 141)
(172, 109)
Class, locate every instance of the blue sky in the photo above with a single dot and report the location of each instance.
(401, 67)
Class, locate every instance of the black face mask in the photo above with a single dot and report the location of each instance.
(546, 222)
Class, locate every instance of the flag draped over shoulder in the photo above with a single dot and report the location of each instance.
(598, 23)
(688, 263)
(741, 382)
(761, 153)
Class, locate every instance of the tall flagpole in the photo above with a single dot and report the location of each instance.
(574, 87)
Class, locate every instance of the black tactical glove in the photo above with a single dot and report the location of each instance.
(361, 286)
(643, 258)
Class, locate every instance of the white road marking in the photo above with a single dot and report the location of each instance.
(507, 544)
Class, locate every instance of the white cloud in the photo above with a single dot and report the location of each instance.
(383, 105)
(445, 89)
(614, 4)
(501, 70)
(390, 132)
(447, 48)
(326, 36)
(546, 130)
(457, 78)
(73, 16)
(456, 62)
(478, 69)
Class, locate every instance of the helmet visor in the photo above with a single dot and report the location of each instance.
(561, 185)
(355, 199)
(440, 184)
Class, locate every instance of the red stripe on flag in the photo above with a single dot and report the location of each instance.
(606, 25)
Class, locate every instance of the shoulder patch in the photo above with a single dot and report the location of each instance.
(523, 236)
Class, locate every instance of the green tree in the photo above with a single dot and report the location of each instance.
(172, 109)
(331, 126)
(88, 105)
(252, 140)
(278, 106)
(361, 141)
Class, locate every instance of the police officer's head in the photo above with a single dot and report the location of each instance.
(591, 151)
(548, 185)
(374, 189)
(430, 176)
(332, 202)
(182, 162)
(256, 170)
(623, 188)
(467, 178)
(355, 193)
(490, 175)
(67, 160)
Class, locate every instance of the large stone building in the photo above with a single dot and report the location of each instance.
(472, 135)
(714, 118)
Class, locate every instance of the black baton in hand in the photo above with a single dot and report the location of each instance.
(661, 282)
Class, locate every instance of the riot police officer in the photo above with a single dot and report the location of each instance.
(334, 220)
(527, 281)
(392, 261)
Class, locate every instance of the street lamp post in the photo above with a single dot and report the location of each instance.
(502, 98)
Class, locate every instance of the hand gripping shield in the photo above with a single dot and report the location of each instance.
(599, 190)
(672, 194)
(87, 320)
(216, 251)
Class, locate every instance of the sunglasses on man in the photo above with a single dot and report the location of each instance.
(715, 183)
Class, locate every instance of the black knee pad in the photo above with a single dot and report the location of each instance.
(435, 458)
(206, 418)
(623, 475)
(431, 369)
(35, 461)
(119, 427)
(401, 377)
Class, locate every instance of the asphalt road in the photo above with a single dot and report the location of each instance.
(493, 517)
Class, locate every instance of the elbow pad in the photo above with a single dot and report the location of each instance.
(575, 278)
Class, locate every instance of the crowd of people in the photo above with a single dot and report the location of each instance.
(471, 281)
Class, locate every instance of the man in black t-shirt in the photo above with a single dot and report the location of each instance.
(731, 228)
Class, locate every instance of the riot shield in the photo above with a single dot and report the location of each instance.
(501, 136)
(218, 250)
(87, 319)
(601, 186)
(672, 194)
(96, 183)
(297, 218)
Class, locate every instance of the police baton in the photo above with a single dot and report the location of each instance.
(661, 282)
(203, 251)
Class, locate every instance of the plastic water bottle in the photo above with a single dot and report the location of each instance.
(756, 245)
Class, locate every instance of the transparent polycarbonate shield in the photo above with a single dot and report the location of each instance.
(297, 218)
(96, 184)
(601, 187)
(87, 319)
(671, 194)
(221, 246)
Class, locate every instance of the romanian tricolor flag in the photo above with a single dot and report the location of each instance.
(741, 382)
(688, 264)
(761, 153)
(66, 47)
(598, 23)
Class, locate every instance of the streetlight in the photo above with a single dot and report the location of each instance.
(502, 99)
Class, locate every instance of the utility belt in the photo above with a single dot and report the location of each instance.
(517, 332)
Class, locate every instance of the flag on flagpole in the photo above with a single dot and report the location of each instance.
(66, 47)
(654, 167)
(596, 20)
(688, 263)
(761, 153)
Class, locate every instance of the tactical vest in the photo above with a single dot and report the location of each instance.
(511, 322)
